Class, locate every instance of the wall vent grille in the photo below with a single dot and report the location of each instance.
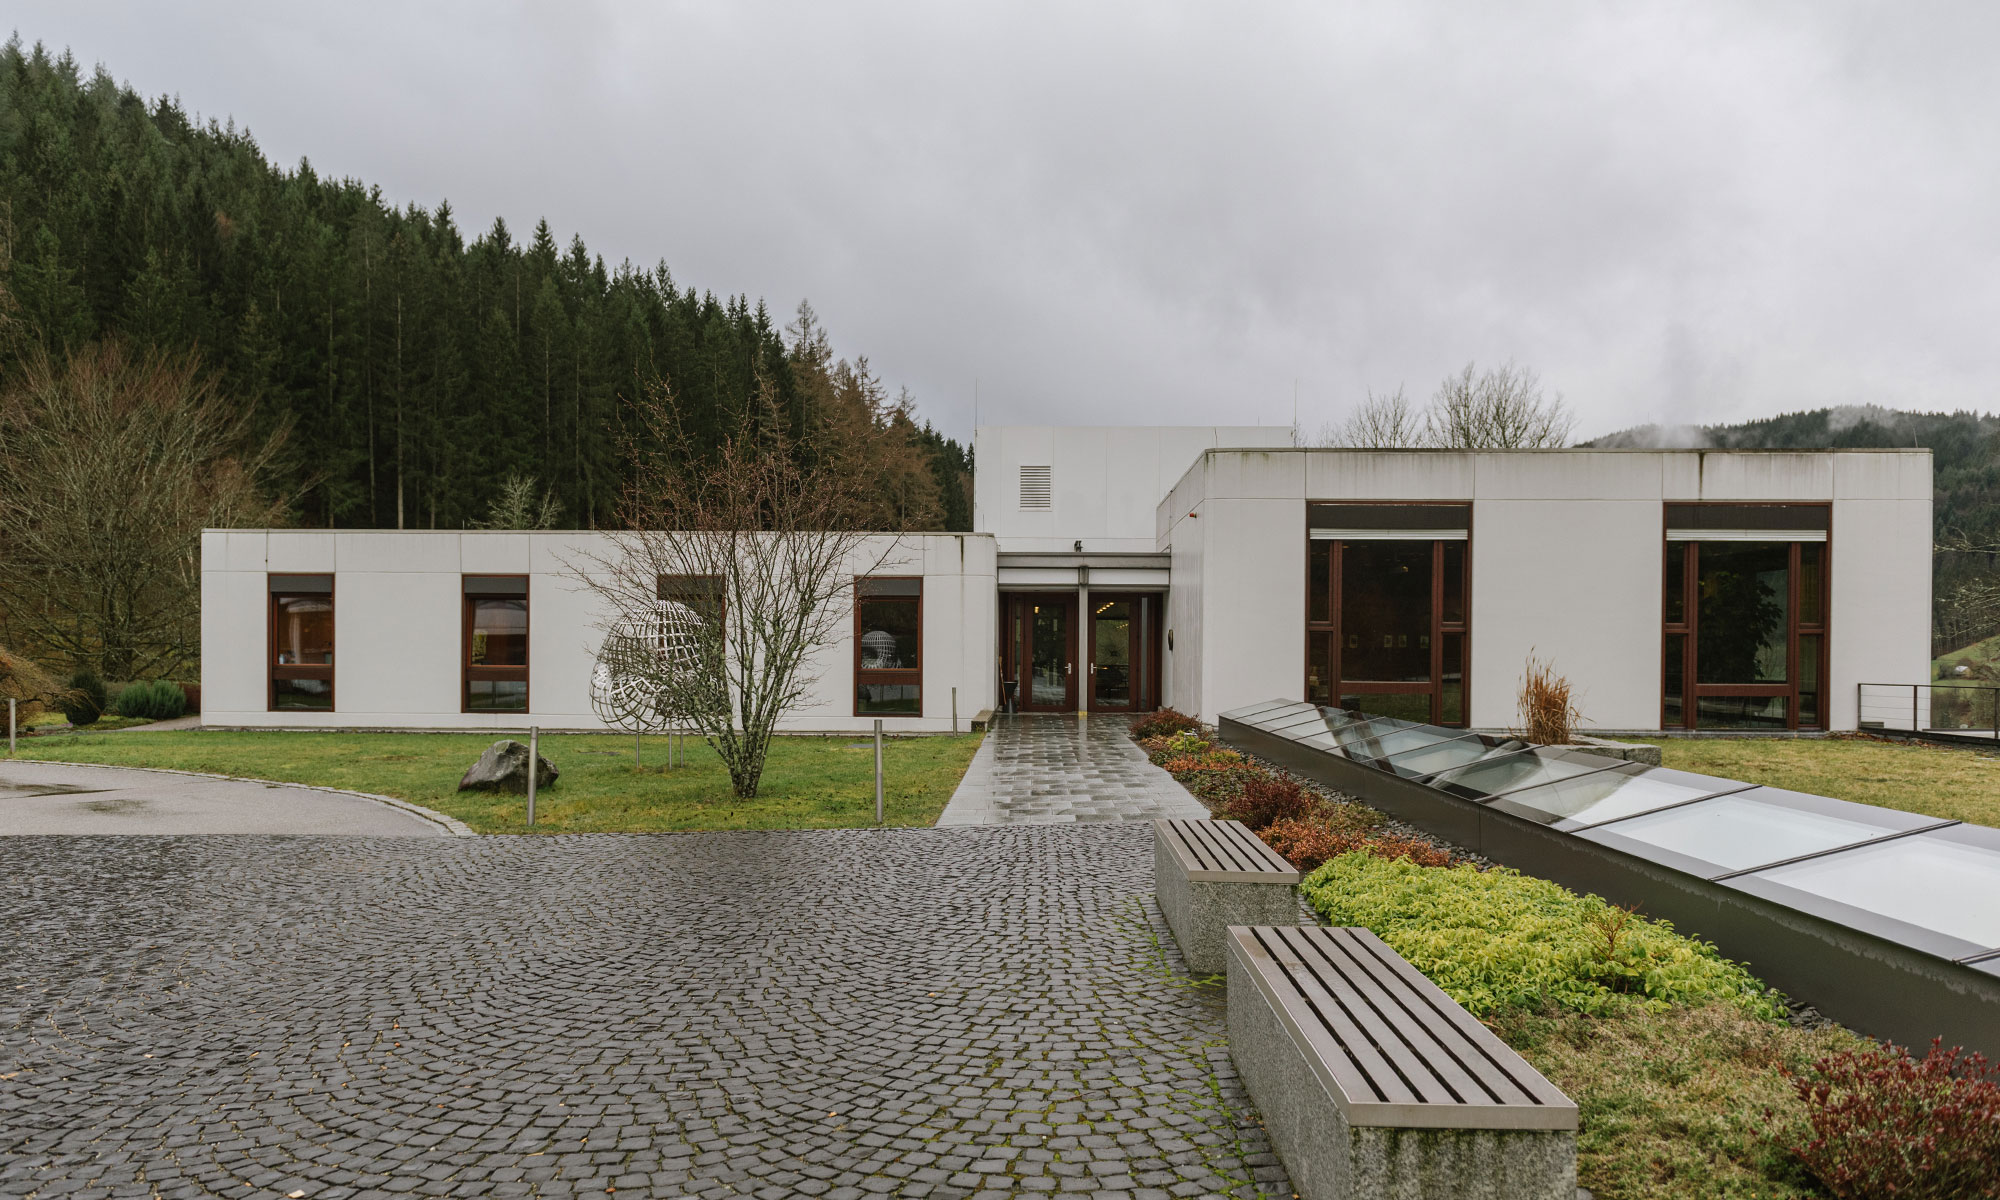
(1034, 487)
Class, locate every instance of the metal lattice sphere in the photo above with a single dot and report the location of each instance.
(642, 657)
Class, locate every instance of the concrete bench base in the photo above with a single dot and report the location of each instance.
(1200, 911)
(1328, 1159)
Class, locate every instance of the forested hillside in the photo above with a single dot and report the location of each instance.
(417, 366)
(1965, 463)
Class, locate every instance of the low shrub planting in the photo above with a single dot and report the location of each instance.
(157, 700)
(1885, 1124)
(1262, 799)
(1164, 723)
(1308, 841)
(84, 702)
(1498, 940)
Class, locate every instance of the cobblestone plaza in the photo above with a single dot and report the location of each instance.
(921, 1012)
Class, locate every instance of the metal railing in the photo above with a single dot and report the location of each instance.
(1955, 711)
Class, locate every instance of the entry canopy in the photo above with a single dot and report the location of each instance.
(1924, 883)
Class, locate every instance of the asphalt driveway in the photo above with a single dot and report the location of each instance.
(62, 798)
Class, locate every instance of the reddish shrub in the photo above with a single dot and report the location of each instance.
(1306, 842)
(1164, 723)
(1267, 798)
(1887, 1124)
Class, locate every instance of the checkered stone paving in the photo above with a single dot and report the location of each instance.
(918, 1012)
(1052, 770)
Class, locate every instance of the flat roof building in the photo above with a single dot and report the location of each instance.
(1114, 570)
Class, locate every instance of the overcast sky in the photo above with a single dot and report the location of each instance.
(1152, 213)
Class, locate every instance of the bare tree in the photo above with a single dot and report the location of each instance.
(762, 537)
(1499, 409)
(1385, 422)
(110, 468)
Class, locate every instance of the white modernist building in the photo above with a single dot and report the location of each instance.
(1114, 570)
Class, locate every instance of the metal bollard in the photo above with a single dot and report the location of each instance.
(534, 769)
(10, 727)
(954, 710)
(878, 770)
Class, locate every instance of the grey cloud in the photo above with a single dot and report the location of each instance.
(1677, 213)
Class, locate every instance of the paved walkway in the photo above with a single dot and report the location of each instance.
(64, 798)
(1052, 770)
(913, 1012)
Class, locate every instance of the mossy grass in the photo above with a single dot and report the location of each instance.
(809, 783)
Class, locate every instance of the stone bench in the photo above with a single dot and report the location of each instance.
(1374, 1083)
(1210, 875)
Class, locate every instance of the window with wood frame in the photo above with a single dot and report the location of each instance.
(1744, 616)
(704, 594)
(301, 655)
(888, 646)
(495, 650)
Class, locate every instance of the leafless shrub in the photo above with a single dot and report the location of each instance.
(1502, 408)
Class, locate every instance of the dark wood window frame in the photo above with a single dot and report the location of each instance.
(1688, 627)
(291, 587)
(494, 587)
(908, 676)
(1403, 511)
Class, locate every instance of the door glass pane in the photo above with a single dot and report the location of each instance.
(305, 630)
(888, 635)
(1745, 592)
(1451, 710)
(1739, 712)
(1454, 584)
(1811, 581)
(1319, 580)
(1111, 645)
(1319, 668)
(1673, 675)
(1676, 583)
(499, 633)
(1408, 706)
(1385, 612)
(1048, 638)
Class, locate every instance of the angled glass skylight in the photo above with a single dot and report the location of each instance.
(1748, 829)
(1945, 883)
(1513, 772)
(1443, 756)
(1608, 795)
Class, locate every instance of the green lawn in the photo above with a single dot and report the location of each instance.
(809, 782)
(1938, 781)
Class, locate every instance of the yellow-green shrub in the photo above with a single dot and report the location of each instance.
(1498, 940)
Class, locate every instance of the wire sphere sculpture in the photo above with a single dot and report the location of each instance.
(642, 658)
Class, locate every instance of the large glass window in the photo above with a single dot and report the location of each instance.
(1387, 600)
(496, 643)
(301, 643)
(1744, 616)
(888, 646)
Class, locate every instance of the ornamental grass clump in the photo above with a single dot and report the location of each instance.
(1548, 717)
(1499, 940)
(1886, 1124)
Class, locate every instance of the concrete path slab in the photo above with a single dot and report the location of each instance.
(65, 798)
(1034, 770)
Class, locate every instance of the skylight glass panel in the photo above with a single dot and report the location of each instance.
(1516, 771)
(1748, 829)
(1608, 795)
(1445, 756)
(1929, 880)
(1251, 710)
(1395, 741)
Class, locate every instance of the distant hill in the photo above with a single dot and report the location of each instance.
(1965, 463)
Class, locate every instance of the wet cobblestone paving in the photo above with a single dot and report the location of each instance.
(924, 1012)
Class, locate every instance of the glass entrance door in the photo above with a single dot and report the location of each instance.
(1111, 654)
(1050, 683)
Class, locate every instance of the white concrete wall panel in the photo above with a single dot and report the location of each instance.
(235, 632)
(1253, 611)
(1879, 617)
(1763, 476)
(1578, 585)
(1388, 475)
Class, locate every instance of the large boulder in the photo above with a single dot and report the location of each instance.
(504, 768)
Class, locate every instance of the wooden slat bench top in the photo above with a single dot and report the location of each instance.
(1224, 852)
(1390, 1046)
